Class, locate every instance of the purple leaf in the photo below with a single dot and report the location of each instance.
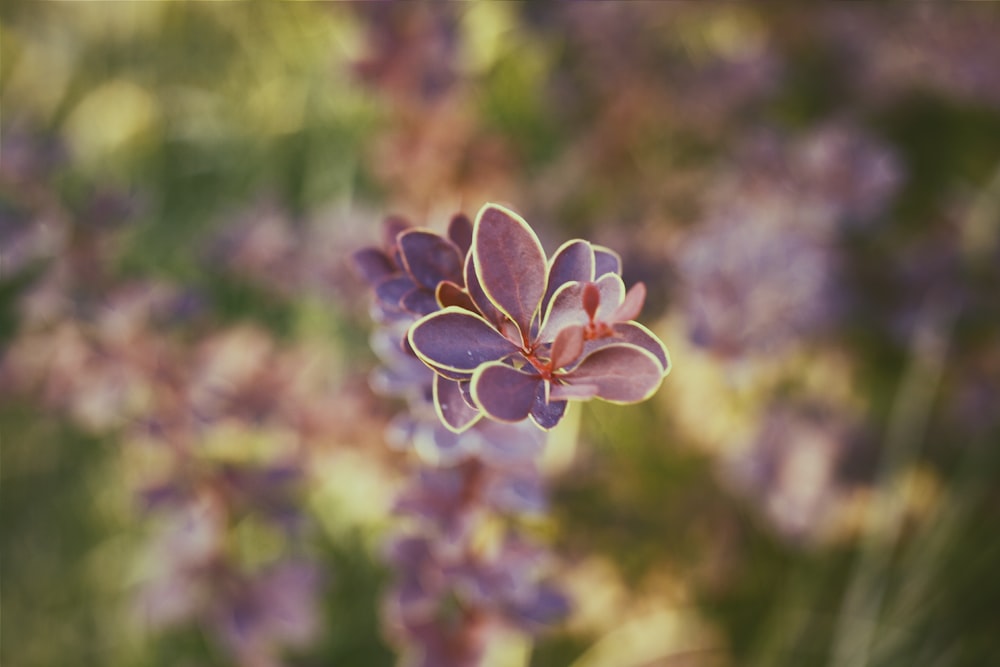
(503, 392)
(612, 295)
(373, 265)
(450, 294)
(637, 334)
(440, 446)
(566, 307)
(606, 260)
(465, 387)
(546, 413)
(451, 408)
(430, 258)
(455, 339)
(572, 392)
(623, 373)
(565, 310)
(478, 296)
(392, 290)
(573, 261)
(450, 373)
(460, 232)
(510, 263)
(419, 302)
(567, 347)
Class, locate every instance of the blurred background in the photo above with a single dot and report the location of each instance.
(194, 469)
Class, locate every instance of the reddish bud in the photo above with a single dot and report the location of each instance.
(567, 347)
(591, 300)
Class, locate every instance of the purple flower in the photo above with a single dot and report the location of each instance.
(538, 332)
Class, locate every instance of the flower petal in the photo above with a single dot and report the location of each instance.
(503, 392)
(573, 261)
(429, 258)
(451, 408)
(622, 372)
(455, 339)
(510, 263)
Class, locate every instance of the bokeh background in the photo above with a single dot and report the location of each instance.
(194, 469)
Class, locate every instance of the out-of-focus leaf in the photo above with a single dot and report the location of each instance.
(392, 227)
(509, 444)
(451, 407)
(373, 265)
(430, 258)
(460, 232)
(419, 302)
(392, 290)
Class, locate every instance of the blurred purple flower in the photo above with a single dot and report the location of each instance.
(268, 612)
(799, 467)
(447, 600)
(765, 268)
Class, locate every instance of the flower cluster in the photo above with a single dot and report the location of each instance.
(509, 333)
